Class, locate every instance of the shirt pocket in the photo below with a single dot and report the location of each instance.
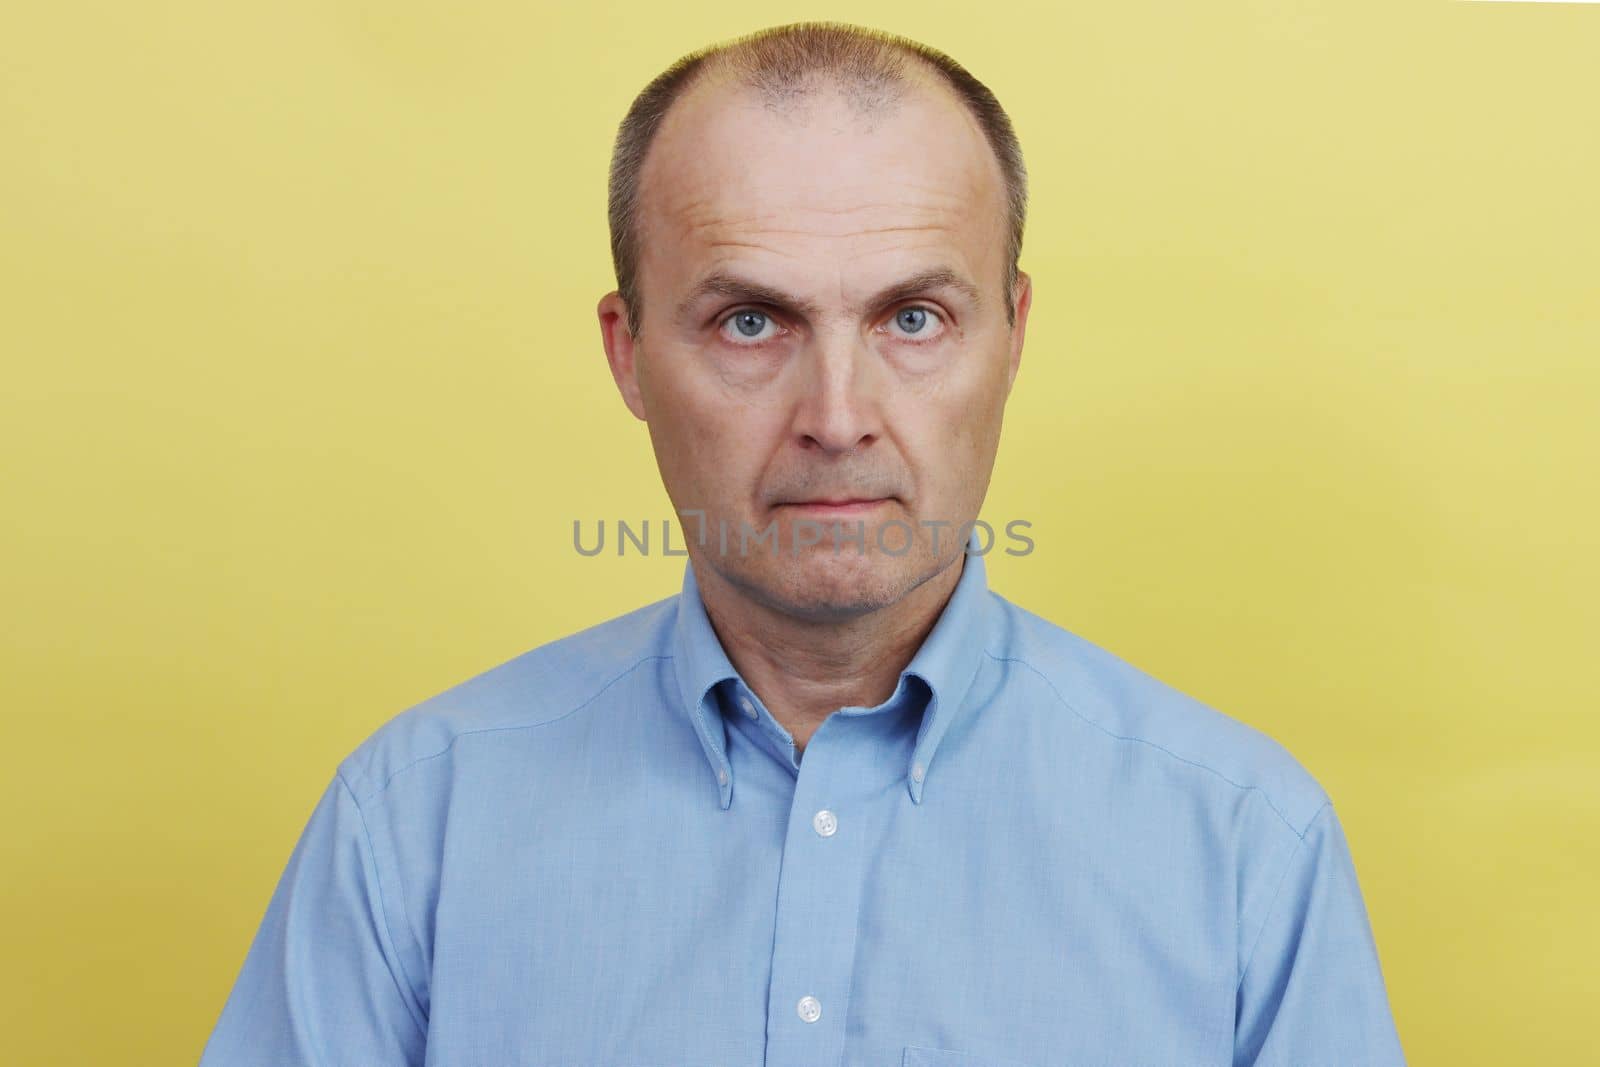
(918, 1056)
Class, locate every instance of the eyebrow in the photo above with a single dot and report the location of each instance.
(722, 283)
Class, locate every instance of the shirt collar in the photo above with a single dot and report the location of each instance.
(947, 661)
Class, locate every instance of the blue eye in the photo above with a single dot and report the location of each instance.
(750, 325)
(914, 324)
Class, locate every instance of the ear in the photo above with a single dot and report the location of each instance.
(1024, 300)
(621, 350)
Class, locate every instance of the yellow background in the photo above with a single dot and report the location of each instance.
(303, 389)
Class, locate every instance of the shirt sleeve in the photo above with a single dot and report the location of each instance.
(1312, 992)
(322, 984)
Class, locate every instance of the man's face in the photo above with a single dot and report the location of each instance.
(782, 362)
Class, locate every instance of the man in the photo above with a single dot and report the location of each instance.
(837, 803)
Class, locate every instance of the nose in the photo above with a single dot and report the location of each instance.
(839, 407)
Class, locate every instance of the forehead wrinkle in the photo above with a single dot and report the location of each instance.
(733, 242)
(938, 198)
(951, 192)
(932, 220)
(909, 193)
(716, 242)
(704, 213)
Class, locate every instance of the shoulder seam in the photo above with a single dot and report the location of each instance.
(384, 785)
(1288, 865)
(1265, 796)
(383, 907)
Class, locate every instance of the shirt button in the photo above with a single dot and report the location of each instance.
(810, 1009)
(824, 823)
(722, 776)
(916, 772)
(749, 708)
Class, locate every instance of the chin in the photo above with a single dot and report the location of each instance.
(819, 583)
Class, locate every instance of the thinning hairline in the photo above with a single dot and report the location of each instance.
(881, 91)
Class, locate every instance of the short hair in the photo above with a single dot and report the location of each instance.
(786, 62)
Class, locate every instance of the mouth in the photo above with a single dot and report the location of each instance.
(836, 507)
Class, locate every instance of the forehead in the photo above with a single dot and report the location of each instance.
(818, 182)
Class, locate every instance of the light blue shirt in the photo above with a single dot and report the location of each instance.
(606, 853)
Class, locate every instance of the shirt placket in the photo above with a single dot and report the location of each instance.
(819, 897)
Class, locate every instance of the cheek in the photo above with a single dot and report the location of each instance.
(969, 409)
(715, 447)
(959, 436)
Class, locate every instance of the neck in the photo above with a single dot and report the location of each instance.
(804, 670)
